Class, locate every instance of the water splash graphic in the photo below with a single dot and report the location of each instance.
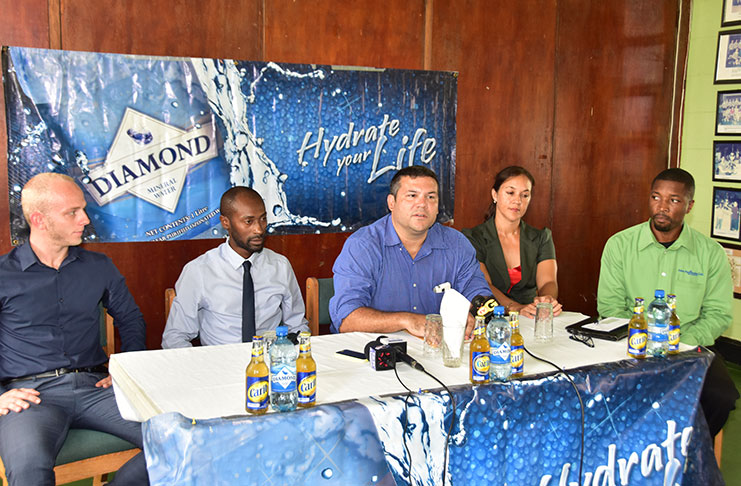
(221, 81)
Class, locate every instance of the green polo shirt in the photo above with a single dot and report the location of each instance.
(694, 267)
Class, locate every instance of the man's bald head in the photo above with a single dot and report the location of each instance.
(228, 198)
(41, 191)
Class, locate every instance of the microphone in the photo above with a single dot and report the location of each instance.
(483, 305)
(403, 356)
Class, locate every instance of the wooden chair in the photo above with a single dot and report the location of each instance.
(89, 453)
(718, 446)
(318, 293)
(169, 297)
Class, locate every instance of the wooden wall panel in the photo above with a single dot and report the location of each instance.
(21, 24)
(505, 96)
(577, 91)
(213, 28)
(360, 33)
(615, 63)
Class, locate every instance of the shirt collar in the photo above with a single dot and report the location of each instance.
(27, 257)
(234, 259)
(434, 237)
(647, 238)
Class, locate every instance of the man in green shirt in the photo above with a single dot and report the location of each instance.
(664, 253)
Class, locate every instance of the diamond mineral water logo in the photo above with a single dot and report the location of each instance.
(149, 159)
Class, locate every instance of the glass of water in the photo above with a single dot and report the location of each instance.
(543, 322)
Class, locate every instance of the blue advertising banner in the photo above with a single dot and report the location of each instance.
(155, 141)
(642, 425)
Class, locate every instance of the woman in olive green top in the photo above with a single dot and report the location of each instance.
(518, 261)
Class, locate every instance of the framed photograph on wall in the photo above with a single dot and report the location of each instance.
(728, 113)
(734, 257)
(727, 161)
(726, 213)
(728, 57)
(731, 13)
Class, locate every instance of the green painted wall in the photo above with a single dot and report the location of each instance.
(698, 131)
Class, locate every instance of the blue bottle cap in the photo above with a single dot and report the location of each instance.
(499, 310)
(659, 294)
(281, 331)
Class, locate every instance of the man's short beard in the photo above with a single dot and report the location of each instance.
(250, 248)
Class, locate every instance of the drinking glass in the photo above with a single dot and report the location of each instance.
(543, 322)
(453, 338)
(433, 335)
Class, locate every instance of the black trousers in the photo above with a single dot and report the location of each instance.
(719, 394)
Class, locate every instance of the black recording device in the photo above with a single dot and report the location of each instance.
(483, 305)
(383, 353)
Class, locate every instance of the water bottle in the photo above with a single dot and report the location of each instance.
(499, 334)
(283, 394)
(658, 317)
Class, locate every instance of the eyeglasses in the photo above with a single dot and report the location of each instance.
(582, 338)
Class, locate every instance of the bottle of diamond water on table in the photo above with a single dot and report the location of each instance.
(305, 372)
(479, 359)
(499, 334)
(257, 379)
(658, 317)
(637, 332)
(517, 353)
(674, 328)
(283, 394)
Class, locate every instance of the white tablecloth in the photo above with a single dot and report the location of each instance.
(209, 381)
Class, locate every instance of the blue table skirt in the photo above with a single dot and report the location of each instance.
(642, 423)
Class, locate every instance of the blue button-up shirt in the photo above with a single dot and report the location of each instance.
(50, 318)
(375, 270)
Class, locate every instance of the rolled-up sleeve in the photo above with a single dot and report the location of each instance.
(354, 280)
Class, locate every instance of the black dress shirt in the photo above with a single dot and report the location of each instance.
(50, 318)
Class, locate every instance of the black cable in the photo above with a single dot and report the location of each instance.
(450, 427)
(406, 420)
(406, 415)
(581, 405)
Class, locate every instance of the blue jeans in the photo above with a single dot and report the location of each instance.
(30, 440)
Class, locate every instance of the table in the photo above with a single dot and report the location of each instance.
(208, 381)
(526, 431)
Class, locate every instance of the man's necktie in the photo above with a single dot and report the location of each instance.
(248, 304)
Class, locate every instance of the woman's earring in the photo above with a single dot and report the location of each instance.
(495, 201)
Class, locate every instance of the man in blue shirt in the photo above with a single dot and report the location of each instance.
(385, 274)
(51, 362)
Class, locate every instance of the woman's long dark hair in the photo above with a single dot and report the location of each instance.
(503, 175)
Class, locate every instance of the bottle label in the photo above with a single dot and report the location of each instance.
(658, 336)
(480, 366)
(306, 386)
(637, 342)
(257, 392)
(499, 354)
(517, 359)
(674, 338)
(283, 378)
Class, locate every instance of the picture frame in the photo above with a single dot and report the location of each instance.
(726, 220)
(734, 258)
(728, 113)
(727, 160)
(728, 57)
(731, 13)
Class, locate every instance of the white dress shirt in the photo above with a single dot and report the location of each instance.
(208, 299)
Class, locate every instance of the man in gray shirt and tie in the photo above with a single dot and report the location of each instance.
(209, 293)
